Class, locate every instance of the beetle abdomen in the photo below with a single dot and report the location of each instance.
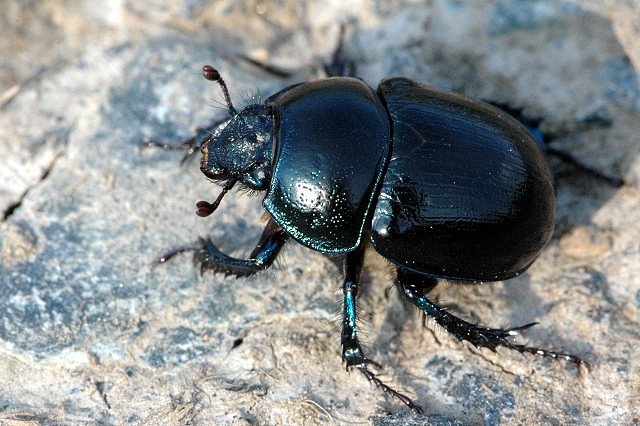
(467, 194)
(331, 147)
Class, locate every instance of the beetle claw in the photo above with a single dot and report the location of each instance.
(516, 330)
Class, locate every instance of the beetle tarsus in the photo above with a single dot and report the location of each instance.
(150, 143)
(413, 287)
(386, 389)
(167, 256)
(547, 353)
(189, 146)
(340, 65)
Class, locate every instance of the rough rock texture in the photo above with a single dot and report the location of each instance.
(91, 333)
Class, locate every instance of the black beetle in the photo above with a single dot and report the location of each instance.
(441, 185)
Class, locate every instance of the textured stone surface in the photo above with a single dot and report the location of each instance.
(90, 332)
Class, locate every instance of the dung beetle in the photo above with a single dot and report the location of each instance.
(442, 186)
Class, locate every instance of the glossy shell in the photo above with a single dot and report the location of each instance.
(331, 147)
(467, 194)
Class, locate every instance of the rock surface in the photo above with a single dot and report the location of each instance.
(91, 333)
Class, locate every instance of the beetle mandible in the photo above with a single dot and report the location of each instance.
(442, 186)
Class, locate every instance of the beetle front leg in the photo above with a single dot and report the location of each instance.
(190, 146)
(271, 242)
(414, 286)
(351, 350)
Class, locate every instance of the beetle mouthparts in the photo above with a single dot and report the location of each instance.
(205, 165)
(204, 159)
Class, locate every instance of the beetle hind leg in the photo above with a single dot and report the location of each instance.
(352, 353)
(415, 286)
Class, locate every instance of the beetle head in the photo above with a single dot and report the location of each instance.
(242, 150)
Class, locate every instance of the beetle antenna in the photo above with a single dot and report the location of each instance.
(212, 74)
(205, 208)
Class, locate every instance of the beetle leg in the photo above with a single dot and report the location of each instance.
(175, 252)
(190, 146)
(571, 159)
(414, 286)
(351, 350)
(544, 139)
(271, 242)
(340, 65)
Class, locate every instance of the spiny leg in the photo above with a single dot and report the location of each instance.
(210, 257)
(571, 159)
(414, 286)
(340, 66)
(271, 242)
(190, 146)
(544, 139)
(351, 350)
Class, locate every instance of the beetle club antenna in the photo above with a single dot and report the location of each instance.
(212, 74)
(205, 208)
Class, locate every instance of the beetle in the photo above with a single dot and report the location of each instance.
(442, 186)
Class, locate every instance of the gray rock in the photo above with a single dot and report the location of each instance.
(91, 332)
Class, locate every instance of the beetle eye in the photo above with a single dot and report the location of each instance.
(258, 178)
(210, 174)
(261, 173)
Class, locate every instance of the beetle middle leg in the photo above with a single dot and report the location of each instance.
(415, 286)
(352, 353)
(340, 65)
